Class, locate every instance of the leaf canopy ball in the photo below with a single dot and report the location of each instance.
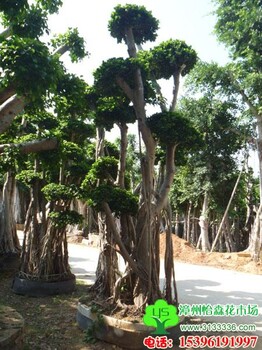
(167, 58)
(142, 22)
(111, 110)
(172, 128)
(107, 74)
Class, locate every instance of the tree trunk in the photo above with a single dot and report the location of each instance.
(188, 222)
(230, 244)
(9, 242)
(107, 269)
(123, 152)
(204, 225)
(255, 245)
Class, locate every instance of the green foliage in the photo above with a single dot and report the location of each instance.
(173, 128)
(28, 177)
(41, 123)
(71, 151)
(137, 18)
(212, 165)
(239, 25)
(90, 333)
(27, 64)
(11, 8)
(226, 82)
(210, 79)
(52, 6)
(76, 127)
(216, 120)
(110, 111)
(71, 40)
(31, 23)
(167, 59)
(70, 96)
(111, 149)
(63, 218)
(119, 200)
(105, 168)
(106, 75)
(56, 192)
(14, 8)
(9, 158)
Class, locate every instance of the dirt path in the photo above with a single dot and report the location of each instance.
(233, 261)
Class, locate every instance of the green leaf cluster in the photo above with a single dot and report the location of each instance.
(9, 158)
(31, 23)
(111, 110)
(142, 22)
(239, 25)
(12, 8)
(28, 177)
(56, 192)
(52, 6)
(63, 218)
(119, 200)
(104, 169)
(106, 75)
(72, 41)
(172, 128)
(167, 59)
(27, 64)
(70, 96)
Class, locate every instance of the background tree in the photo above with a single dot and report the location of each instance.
(239, 27)
(209, 167)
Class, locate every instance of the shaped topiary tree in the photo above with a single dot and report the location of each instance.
(136, 78)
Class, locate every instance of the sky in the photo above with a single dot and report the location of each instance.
(188, 20)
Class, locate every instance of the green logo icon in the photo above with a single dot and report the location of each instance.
(161, 315)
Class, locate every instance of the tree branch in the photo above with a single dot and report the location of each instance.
(33, 146)
(6, 93)
(176, 77)
(9, 110)
(126, 88)
(243, 94)
(6, 33)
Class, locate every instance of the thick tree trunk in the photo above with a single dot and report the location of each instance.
(9, 242)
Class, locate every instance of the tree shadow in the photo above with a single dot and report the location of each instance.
(199, 291)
